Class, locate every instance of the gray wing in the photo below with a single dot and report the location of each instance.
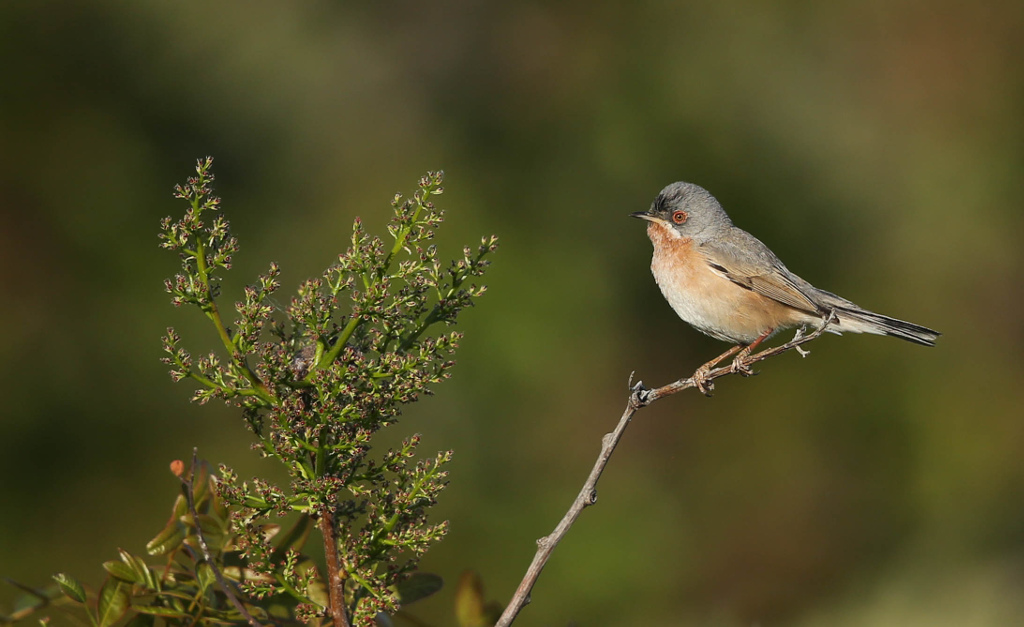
(744, 260)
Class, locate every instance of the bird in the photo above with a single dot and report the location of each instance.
(727, 284)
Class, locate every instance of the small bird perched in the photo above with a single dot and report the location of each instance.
(727, 284)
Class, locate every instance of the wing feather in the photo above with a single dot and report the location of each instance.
(747, 262)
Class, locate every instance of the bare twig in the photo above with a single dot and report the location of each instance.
(649, 396)
(639, 397)
(188, 485)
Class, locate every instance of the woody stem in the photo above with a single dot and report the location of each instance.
(335, 577)
(639, 397)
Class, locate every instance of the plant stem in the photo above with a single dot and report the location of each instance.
(213, 313)
(404, 233)
(335, 578)
(298, 596)
(331, 355)
(188, 487)
(355, 321)
(211, 306)
(639, 397)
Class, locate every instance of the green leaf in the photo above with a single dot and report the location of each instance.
(25, 605)
(469, 600)
(217, 506)
(156, 610)
(234, 573)
(418, 586)
(121, 571)
(200, 484)
(205, 576)
(210, 526)
(143, 574)
(167, 540)
(112, 604)
(126, 557)
(180, 507)
(70, 587)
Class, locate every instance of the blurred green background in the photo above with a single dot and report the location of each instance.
(877, 147)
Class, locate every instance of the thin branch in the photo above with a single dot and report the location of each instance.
(213, 313)
(649, 396)
(639, 397)
(221, 581)
(327, 358)
(332, 354)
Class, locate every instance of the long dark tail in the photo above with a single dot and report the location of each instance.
(855, 319)
(871, 322)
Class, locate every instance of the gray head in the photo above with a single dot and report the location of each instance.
(689, 210)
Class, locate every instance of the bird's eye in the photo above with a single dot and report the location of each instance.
(679, 217)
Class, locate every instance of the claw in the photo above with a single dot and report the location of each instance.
(700, 379)
(740, 368)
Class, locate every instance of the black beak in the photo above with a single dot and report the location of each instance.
(643, 215)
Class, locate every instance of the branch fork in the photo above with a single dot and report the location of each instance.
(641, 396)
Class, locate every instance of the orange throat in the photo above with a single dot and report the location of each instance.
(662, 234)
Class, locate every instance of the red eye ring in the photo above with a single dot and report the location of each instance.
(679, 216)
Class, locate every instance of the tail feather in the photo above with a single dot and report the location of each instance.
(862, 321)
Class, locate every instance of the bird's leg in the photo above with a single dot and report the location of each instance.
(700, 377)
(738, 367)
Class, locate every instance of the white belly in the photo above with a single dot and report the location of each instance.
(704, 309)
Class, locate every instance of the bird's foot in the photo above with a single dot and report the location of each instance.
(700, 379)
(739, 366)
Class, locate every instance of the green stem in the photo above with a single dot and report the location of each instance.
(404, 233)
(195, 604)
(213, 313)
(210, 307)
(381, 539)
(420, 330)
(210, 383)
(365, 584)
(353, 324)
(298, 596)
(321, 457)
(432, 317)
(228, 392)
(331, 355)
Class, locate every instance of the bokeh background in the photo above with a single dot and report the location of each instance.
(877, 147)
